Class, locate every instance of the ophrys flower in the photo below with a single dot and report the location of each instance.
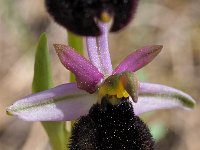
(96, 80)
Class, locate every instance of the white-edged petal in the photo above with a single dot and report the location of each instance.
(155, 96)
(64, 102)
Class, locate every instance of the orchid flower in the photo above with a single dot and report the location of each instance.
(96, 80)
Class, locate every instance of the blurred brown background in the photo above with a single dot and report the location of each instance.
(174, 24)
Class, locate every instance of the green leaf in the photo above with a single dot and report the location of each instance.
(158, 130)
(57, 134)
(42, 80)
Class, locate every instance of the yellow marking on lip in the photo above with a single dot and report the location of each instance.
(120, 86)
(113, 88)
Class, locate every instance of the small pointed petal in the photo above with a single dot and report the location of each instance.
(64, 102)
(87, 75)
(155, 96)
(138, 59)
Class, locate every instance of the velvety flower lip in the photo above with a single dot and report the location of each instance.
(79, 16)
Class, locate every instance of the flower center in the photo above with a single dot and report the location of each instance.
(112, 88)
(119, 86)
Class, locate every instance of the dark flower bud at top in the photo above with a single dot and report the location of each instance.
(80, 16)
(111, 127)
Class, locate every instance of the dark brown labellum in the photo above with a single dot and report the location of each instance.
(115, 127)
(79, 16)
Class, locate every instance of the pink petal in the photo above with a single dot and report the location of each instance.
(64, 102)
(138, 59)
(155, 96)
(87, 75)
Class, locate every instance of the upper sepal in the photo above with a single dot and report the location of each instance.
(156, 96)
(87, 75)
(79, 16)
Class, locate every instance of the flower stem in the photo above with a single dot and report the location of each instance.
(57, 134)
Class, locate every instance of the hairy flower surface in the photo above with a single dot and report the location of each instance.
(80, 16)
(96, 80)
(116, 127)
